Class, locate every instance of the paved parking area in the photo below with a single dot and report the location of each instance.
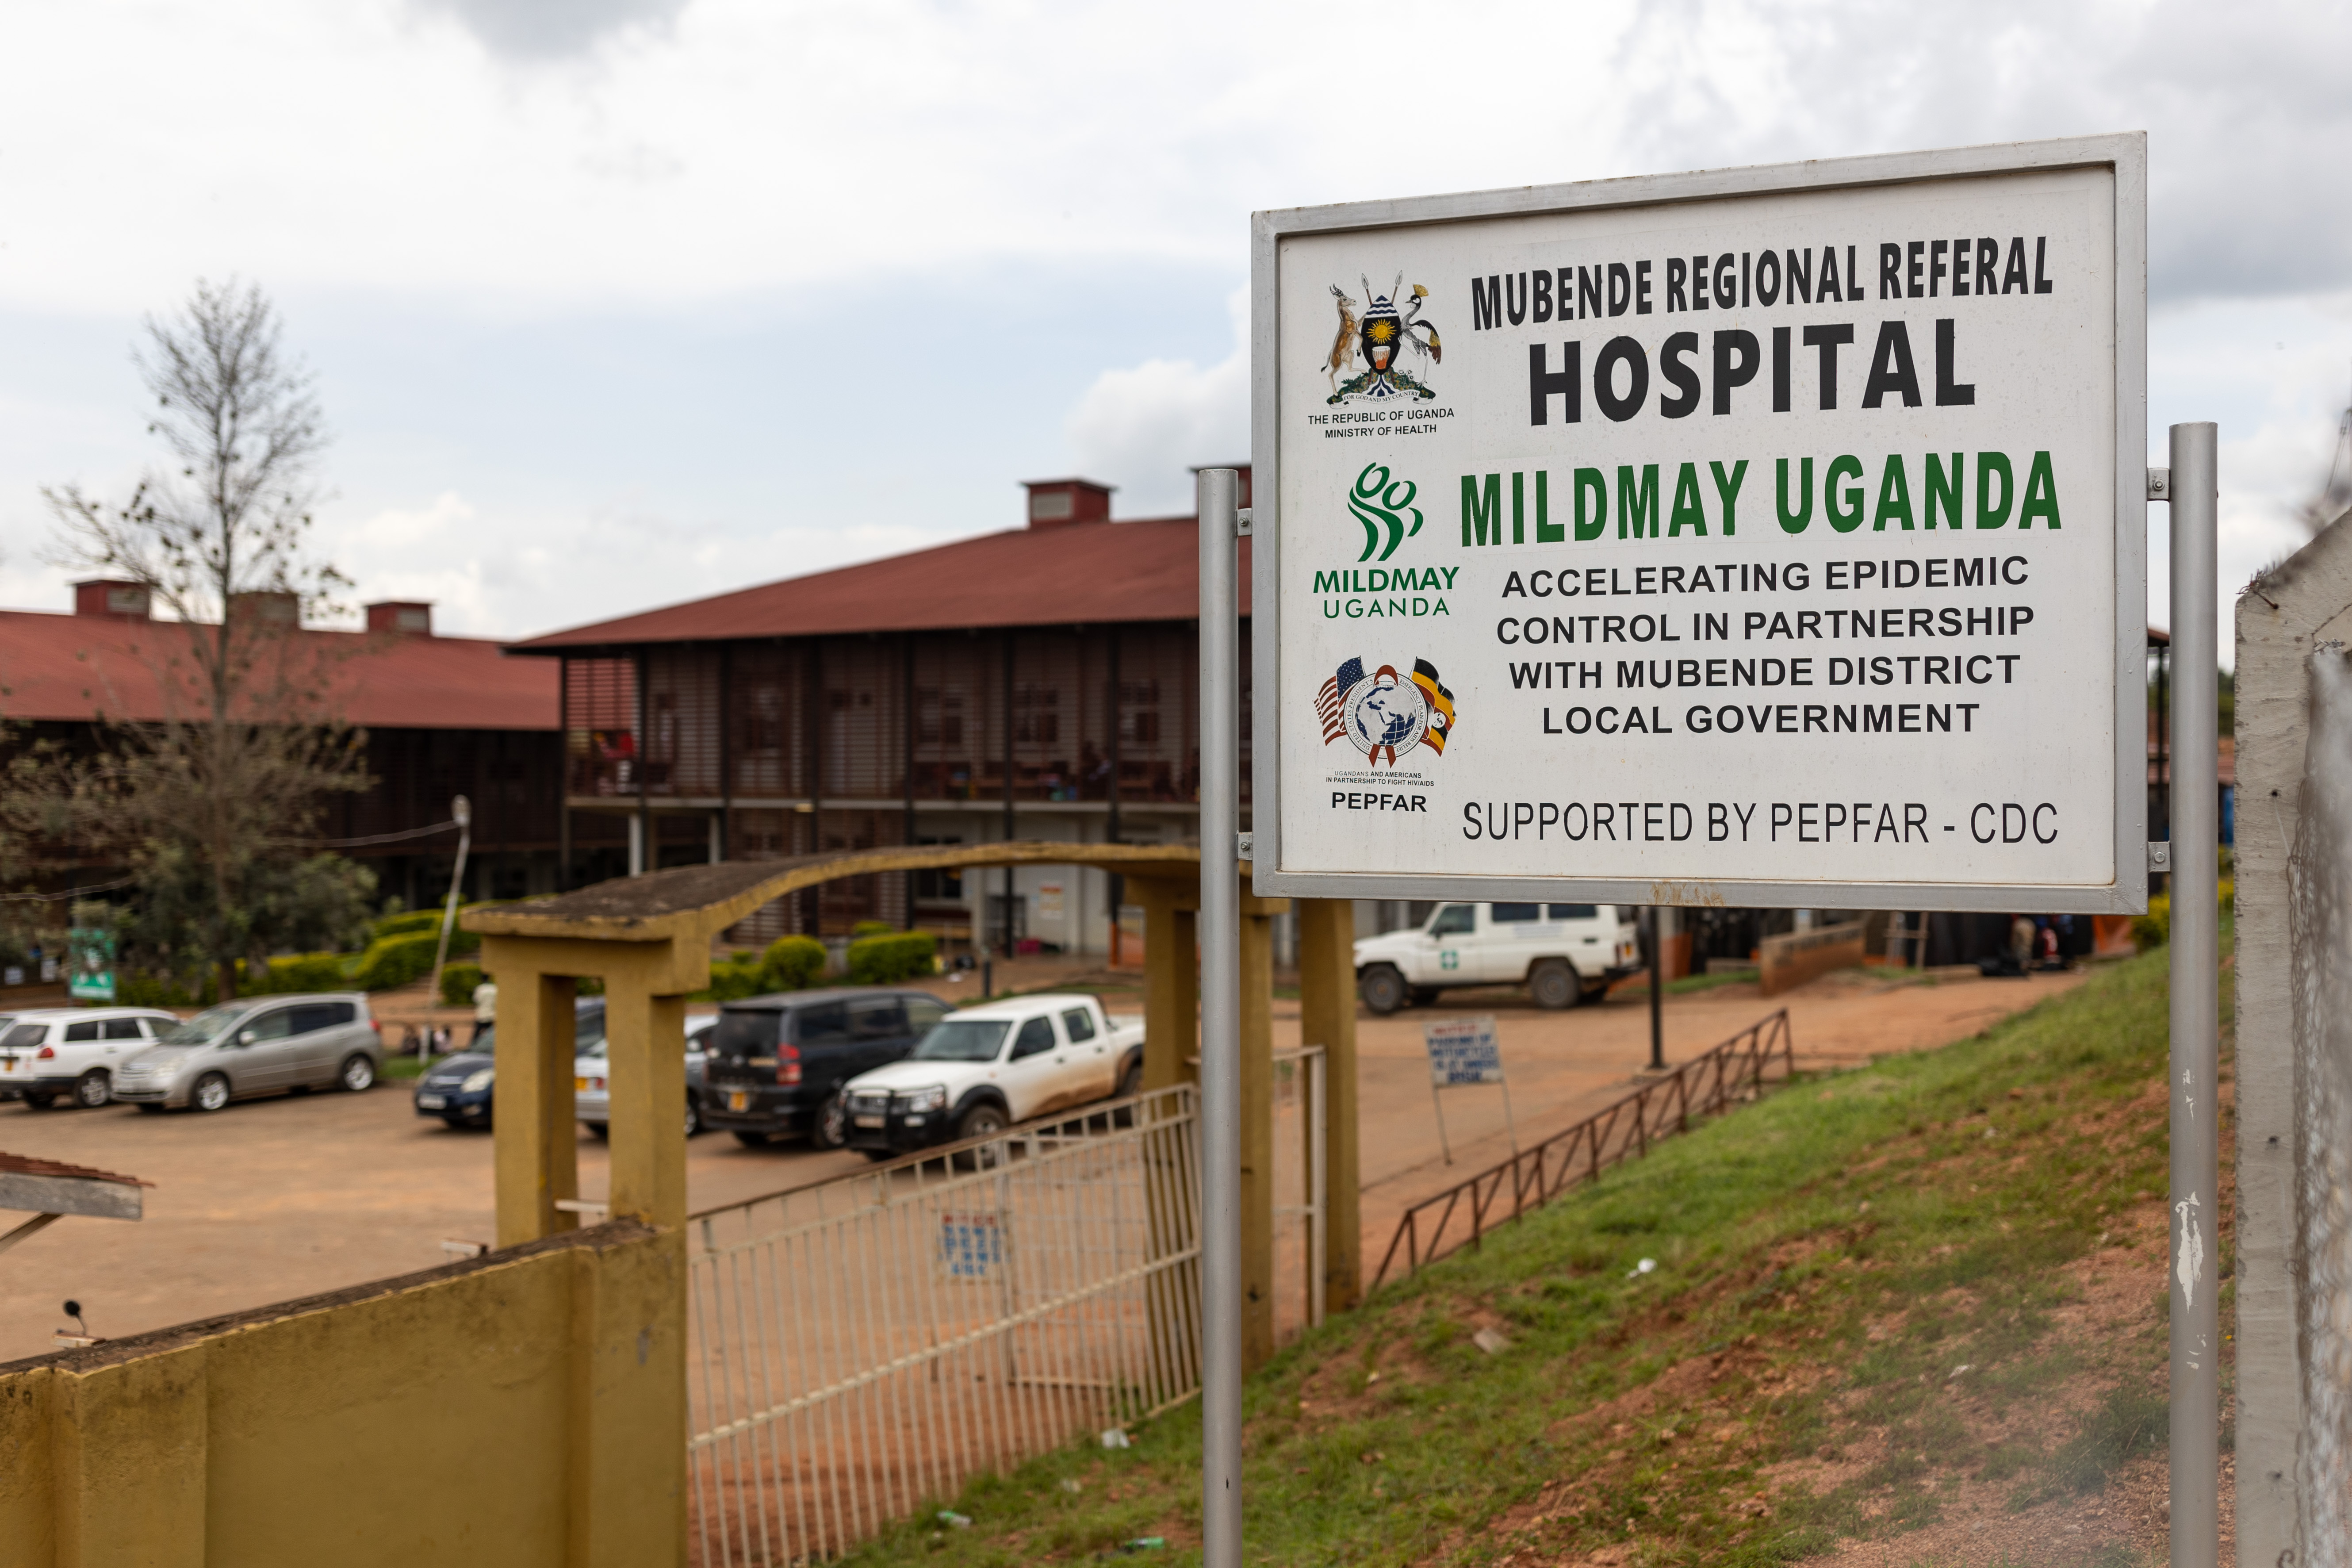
(273, 1199)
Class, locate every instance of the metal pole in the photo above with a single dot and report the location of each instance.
(1219, 492)
(2196, 1002)
(462, 810)
(1657, 991)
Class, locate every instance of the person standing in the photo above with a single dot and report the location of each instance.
(485, 1008)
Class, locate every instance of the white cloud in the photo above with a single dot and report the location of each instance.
(1144, 428)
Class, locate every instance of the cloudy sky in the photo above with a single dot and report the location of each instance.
(616, 302)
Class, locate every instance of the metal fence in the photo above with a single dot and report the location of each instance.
(863, 1346)
(1730, 1072)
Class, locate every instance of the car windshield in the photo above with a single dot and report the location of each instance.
(962, 1040)
(209, 1025)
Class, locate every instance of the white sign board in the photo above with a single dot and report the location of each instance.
(1772, 537)
(1462, 1050)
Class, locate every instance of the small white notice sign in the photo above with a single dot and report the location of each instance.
(1462, 1050)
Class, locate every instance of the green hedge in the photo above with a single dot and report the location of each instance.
(393, 961)
(457, 982)
(408, 923)
(792, 964)
(865, 928)
(886, 959)
(2154, 929)
(295, 972)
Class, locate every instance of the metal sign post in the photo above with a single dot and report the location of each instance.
(1219, 493)
(2192, 486)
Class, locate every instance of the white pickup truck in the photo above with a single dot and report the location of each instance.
(1563, 953)
(982, 1069)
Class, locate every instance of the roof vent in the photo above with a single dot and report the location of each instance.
(270, 607)
(1058, 503)
(413, 616)
(113, 596)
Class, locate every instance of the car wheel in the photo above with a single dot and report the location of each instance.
(1554, 986)
(210, 1092)
(598, 1129)
(1382, 988)
(693, 1118)
(92, 1089)
(36, 1101)
(1130, 1080)
(753, 1139)
(982, 1121)
(358, 1074)
(831, 1130)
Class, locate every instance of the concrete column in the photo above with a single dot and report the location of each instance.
(129, 1463)
(645, 1056)
(1172, 981)
(628, 1426)
(1327, 1018)
(537, 1149)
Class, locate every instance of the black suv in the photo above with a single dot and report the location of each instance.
(776, 1064)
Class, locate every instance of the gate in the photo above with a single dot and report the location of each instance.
(863, 1346)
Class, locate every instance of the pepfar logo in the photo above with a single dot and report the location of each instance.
(1381, 505)
(1385, 712)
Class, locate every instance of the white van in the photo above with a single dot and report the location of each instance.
(53, 1052)
(1563, 953)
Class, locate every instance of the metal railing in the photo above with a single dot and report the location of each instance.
(1733, 1071)
(863, 1346)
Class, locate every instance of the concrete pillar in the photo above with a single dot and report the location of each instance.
(1327, 1018)
(1257, 1140)
(1172, 981)
(645, 1056)
(536, 1158)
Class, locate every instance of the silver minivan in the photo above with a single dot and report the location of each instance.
(259, 1045)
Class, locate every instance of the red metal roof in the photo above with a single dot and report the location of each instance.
(57, 666)
(1085, 574)
(34, 1165)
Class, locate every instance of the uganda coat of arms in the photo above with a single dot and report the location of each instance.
(1380, 334)
(1385, 712)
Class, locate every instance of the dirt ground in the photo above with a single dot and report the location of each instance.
(275, 1199)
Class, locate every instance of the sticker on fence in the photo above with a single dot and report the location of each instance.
(972, 1245)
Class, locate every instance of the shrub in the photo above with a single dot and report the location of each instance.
(295, 972)
(886, 959)
(2154, 929)
(134, 990)
(791, 963)
(734, 977)
(864, 928)
(408, 922)
(457, 982)
(395, 961)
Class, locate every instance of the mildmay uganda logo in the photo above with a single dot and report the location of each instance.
(1379, 335)
(1382, 509)
(1384, 711)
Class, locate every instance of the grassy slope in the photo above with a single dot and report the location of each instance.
(1824, 1260)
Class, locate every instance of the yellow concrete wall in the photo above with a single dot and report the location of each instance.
(524, 1408)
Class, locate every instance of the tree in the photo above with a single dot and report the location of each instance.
(215, 802)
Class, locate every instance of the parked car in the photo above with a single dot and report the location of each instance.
(778, 1062)
(261, 1044)
(980, 1070)
(73, 1052)
(461, 1090)
(1563, 953)
(592, 1098)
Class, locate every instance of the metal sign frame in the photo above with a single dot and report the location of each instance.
(2125, 156)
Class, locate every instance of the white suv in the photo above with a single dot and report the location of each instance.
(73, 1051)
(1563, 953)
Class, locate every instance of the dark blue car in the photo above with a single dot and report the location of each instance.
(459, 1089)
